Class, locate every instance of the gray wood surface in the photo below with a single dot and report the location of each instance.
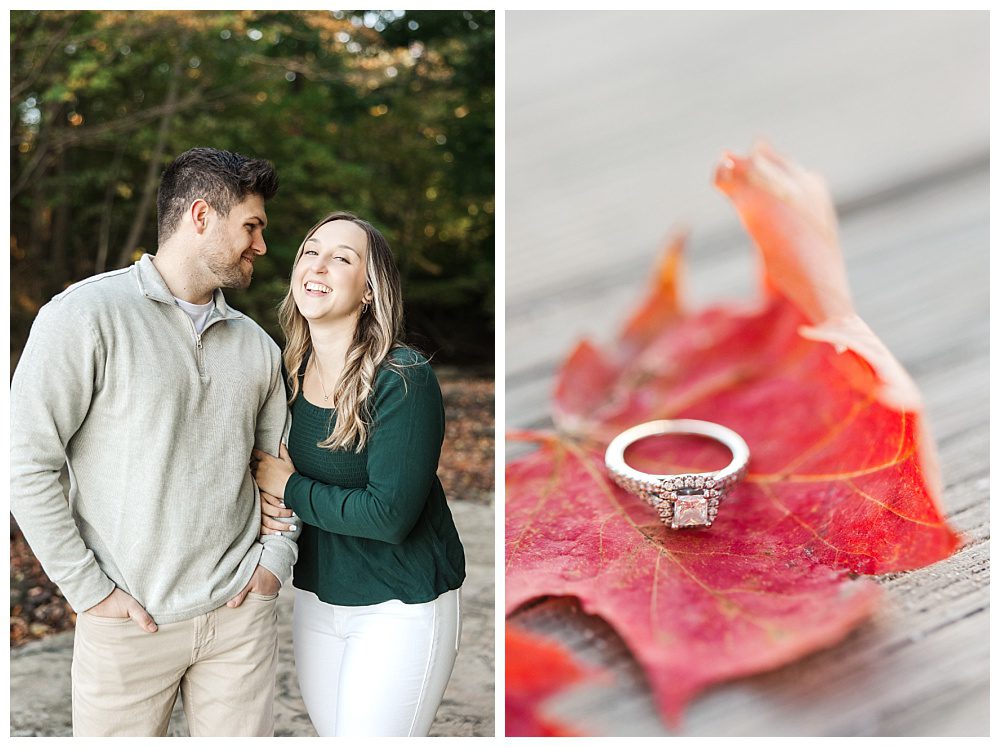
(614, 123)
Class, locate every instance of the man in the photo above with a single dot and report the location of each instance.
(134, 410)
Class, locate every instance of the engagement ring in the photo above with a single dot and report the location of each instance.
(686, 500)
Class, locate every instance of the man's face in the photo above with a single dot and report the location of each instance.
(236, 241)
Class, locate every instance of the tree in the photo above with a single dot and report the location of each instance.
(388, 115)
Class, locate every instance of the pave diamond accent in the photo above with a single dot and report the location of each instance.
(666, 511)
(683, 501)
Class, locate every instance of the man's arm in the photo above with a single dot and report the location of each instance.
(273, 420)
(51, 391)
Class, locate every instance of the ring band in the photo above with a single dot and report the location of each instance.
(686, 500)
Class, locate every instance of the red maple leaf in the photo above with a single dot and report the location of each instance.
(538, 668)
(842, 476)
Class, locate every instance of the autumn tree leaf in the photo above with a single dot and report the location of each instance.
(537, 668)
(842, 479)
(695, 607)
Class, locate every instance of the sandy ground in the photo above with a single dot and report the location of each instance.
(40, 682)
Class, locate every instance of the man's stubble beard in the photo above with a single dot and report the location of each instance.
(227, 274)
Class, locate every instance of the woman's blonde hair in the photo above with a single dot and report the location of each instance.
(379, 332)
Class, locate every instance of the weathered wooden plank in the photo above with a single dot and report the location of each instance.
(614, 119)
(908, 671)
(609, 149)
(895, 258)
(923, 671)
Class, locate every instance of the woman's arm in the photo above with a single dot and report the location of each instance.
(403, 447)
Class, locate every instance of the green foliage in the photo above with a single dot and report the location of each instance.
(389, 116)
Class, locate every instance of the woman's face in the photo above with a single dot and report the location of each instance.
(329, 282)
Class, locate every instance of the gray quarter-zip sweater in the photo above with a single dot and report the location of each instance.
(130, 442)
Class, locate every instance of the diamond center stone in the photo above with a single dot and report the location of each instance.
(690, 509)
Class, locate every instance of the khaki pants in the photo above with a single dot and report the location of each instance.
(125, 680)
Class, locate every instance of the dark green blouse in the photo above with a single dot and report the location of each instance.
(376, 525)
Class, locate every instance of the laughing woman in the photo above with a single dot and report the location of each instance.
(376, 620)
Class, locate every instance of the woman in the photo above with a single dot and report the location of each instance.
(376, 621)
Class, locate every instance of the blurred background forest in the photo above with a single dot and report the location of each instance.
(387, 114)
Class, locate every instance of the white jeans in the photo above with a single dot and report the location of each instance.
(377, 670)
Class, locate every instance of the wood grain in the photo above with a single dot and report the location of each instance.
(614, 122)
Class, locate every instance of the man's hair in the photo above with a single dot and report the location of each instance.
(220, 178)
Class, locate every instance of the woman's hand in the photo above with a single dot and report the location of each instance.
(272, 473)
(272, 510)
